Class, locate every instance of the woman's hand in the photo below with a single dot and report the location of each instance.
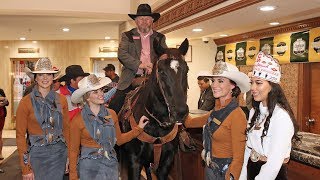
(28, 176)
(67, 167)
(143, 122)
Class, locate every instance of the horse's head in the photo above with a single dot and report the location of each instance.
(170, 84)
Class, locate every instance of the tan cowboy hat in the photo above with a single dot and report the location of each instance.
(145, 10)
(88, 83)
(230, 71)
(42, 66)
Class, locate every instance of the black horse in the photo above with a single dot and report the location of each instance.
(163, 100)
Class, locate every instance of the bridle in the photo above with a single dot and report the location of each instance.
(162, 124)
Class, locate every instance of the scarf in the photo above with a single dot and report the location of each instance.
(100, 127)
(48, 113)
(212, 125)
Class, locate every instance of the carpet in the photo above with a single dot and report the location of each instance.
(11, 167)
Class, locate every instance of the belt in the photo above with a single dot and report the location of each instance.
(255, 157)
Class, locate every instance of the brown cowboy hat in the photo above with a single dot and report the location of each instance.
(145, 10)
(73, 71)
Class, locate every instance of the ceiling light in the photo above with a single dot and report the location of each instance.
(274, 23)
(34, 42)
(6, 47)
(22, 38)
(107, 37)
(197, 30)
(223, 35)
(267, 8)
(65, 29)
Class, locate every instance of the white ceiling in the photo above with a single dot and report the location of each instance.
(99, 18)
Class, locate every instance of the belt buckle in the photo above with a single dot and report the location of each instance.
(254, 156)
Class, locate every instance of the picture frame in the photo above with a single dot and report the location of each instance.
(188, 56)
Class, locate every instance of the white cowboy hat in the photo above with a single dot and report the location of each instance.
(227, 70)
(88, 83)
(42, 66)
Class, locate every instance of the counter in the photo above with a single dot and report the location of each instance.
(308, 151)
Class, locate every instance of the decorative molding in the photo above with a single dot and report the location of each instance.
(167, 5)
(219, 12)
(28, 50)
(185, 10)
(269, 32)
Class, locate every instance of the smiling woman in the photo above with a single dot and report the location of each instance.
(224, 126)
(43, 114)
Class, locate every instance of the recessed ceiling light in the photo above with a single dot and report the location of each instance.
(107, 37)
(65, 29)
(223, 35)
(22, 38)
(34, 42)
(267, 8)
(274, 23)
(197, 30)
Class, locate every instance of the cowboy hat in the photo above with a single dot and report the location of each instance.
(88, 83)
(42, 66)
(73, 71)
(145, 10)
(227, 70)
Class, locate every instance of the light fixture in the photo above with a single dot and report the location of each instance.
(34, 42)
(22, 38)
(197, 30)
(112, 41)
(223, 35)
(267, 8)
(65, 29)
(274, 23)
(107, 37)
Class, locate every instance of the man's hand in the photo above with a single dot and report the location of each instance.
(147, 67)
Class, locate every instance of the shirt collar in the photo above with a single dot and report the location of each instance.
(218, 104)
(145, 35)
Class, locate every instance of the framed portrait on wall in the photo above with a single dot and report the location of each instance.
(188, 56)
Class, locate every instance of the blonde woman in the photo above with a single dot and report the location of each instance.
(94, 133)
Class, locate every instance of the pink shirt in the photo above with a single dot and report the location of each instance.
(145, 49)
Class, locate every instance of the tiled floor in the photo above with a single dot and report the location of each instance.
(8, 150)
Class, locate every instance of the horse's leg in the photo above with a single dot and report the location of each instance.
(134, 168)
(148, 172)
(166, 164)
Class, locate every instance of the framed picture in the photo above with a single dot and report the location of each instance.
(188, 56)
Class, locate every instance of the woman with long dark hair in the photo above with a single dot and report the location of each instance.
(271, 127)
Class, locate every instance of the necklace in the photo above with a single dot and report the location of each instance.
(257, 124)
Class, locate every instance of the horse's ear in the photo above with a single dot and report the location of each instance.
(184, 47)
(158, 48)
